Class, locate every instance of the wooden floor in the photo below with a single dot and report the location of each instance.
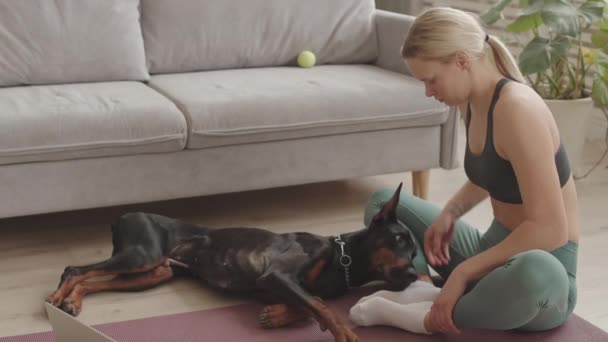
(34, 250)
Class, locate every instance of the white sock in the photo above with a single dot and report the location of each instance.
(418, 291)
(381, 311)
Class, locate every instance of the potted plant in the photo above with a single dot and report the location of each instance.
(570, 74)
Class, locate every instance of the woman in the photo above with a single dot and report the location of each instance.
(521, 273)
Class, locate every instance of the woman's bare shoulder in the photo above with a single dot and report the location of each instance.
(520, 104)
(519, 116)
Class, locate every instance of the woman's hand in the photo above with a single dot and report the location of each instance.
(437, 239)
(440, 316)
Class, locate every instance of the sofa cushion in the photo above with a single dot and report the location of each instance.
(41, 123)
(62, 41)
(227, 107)
(193, 35)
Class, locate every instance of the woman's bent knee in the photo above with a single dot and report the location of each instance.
(531, 290)
(535, 262)
(536, 269)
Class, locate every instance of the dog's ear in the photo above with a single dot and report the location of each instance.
(388, 213)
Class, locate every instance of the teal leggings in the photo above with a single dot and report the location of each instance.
(534, 290)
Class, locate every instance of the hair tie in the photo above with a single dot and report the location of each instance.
(487, 37)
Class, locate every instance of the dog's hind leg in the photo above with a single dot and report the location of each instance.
(73, 303)
(132, 260)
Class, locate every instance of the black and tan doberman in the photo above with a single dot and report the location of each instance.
(295, 270)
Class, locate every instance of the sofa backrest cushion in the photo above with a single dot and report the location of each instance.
(195, 35)
(65, 41)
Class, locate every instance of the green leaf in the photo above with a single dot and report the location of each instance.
(592, 10)
(602, 58)
(561, 17)
(603, 66)
(599, 39)
(541, 53)
(494, 13)
(532, 8)
(525, 23)
(599, 92)
(602, 24)
(528, 3)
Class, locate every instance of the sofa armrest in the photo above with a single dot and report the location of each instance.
(448, 158)
(391, 29)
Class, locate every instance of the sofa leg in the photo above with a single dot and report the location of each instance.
(420, 183)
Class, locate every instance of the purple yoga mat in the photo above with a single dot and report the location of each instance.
(239, 323)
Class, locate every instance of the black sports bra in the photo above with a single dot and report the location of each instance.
(495, 174)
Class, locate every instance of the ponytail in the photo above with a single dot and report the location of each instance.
(504, 60)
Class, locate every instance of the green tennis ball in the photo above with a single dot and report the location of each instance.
(306, 59)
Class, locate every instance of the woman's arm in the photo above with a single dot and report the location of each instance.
(439, 234)
(464, 200)
(523, 134)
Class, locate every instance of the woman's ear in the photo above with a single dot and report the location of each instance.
(463, 61)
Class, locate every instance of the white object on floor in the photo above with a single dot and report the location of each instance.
(418, 291)
(68, 329)
(402, 309)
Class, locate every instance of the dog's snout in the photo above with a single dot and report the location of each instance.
(401, 277)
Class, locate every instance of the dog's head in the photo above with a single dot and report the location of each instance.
(391, 247)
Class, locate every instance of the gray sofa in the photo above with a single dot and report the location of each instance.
(124, 101)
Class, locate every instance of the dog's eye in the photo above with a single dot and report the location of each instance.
(399, 240)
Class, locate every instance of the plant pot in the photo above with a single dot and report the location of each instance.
(572, 118)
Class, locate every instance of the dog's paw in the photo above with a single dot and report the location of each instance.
(72, 307)
(278, 315)
(56, 299)
(273, 316)
(350, 335)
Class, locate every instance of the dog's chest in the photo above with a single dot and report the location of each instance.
(324, 279)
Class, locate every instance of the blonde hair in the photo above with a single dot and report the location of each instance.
(440, 32)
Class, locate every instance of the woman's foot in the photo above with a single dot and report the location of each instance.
(418, 291)
(381, 311)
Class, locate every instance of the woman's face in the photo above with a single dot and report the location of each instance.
(446, 82)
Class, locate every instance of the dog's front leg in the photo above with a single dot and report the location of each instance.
(288, 290)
